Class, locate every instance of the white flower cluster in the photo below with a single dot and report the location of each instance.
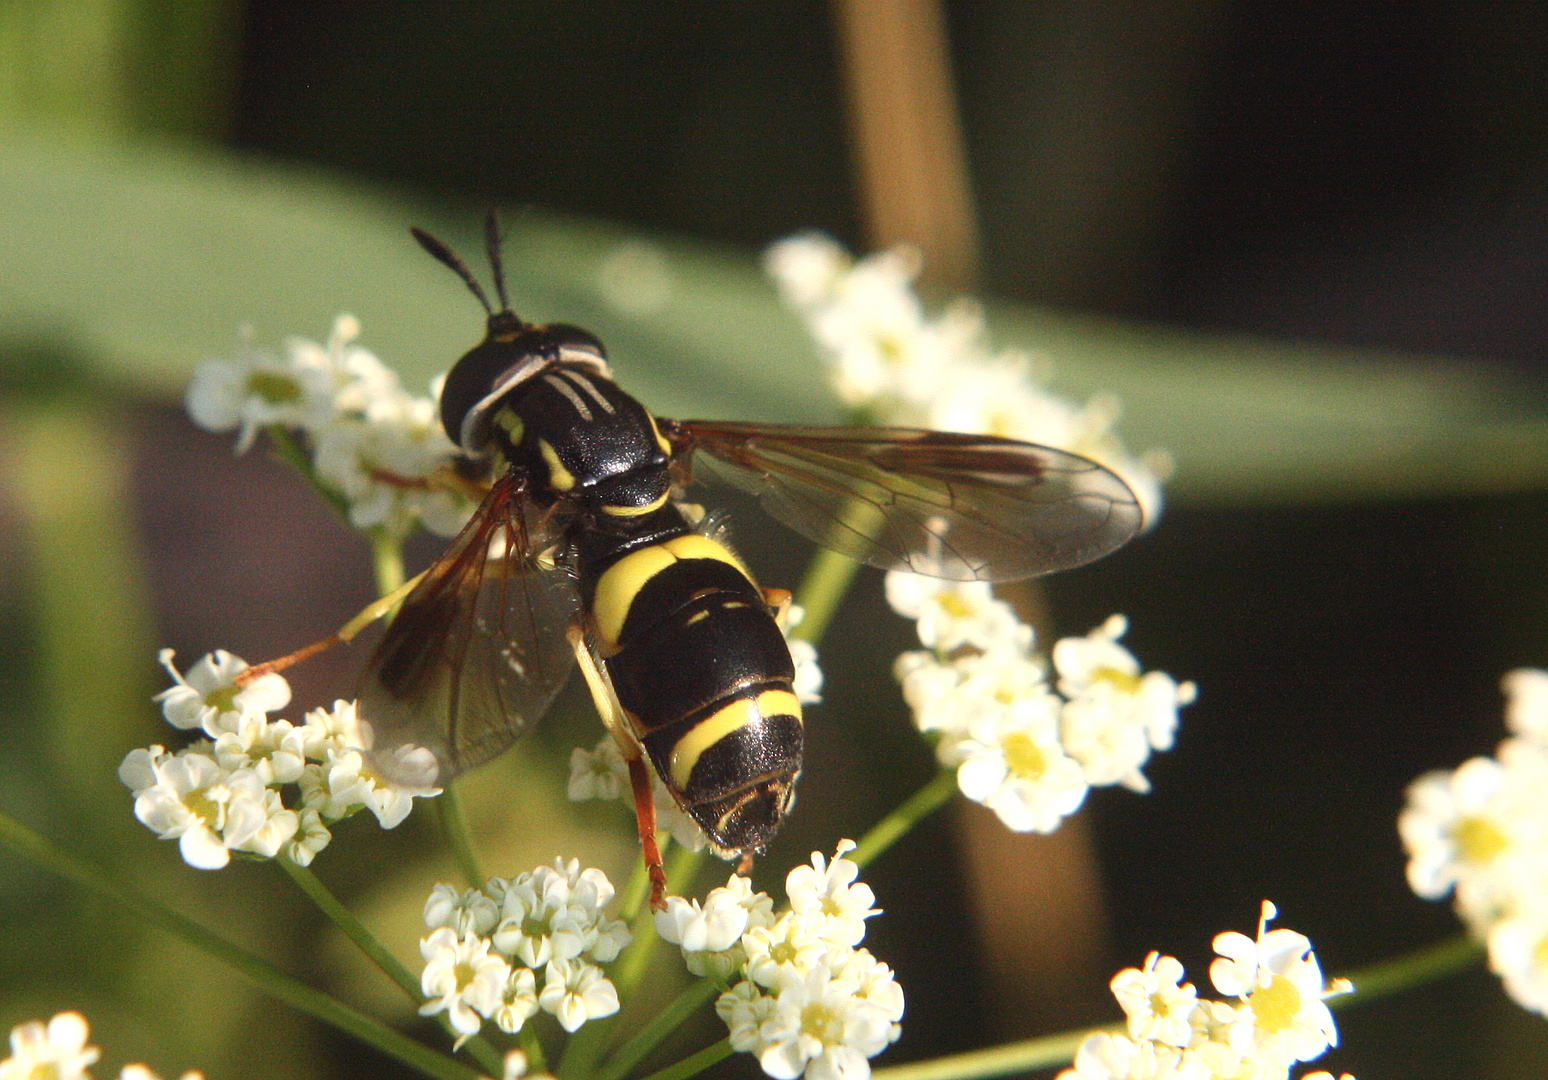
(807, 1002)
(1482, 830)
(58, 1051)
(227, 791)
(375, 446)
(896, 365)
(487, 947)
(1278, 1018)
(1024, 751)
(601, 772)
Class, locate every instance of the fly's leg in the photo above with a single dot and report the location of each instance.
(345, 634)
(606, 700)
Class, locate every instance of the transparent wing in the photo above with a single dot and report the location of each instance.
(953, 506)
(477, 652)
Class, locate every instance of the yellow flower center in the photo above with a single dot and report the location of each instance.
(822, 1024)
(222, 700)
(1023, 756)
(1478, 839)
(1126, 681)
(1540, 954)
(952, 605)
(45, 1071)
(275, 389)
(534, 927)
(201, 805)
(1276, 1005)
(465, 973)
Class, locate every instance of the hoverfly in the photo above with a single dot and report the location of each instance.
(582, 552)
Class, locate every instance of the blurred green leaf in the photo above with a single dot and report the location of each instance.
(144, 260)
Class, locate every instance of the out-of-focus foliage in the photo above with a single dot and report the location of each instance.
(145, 260)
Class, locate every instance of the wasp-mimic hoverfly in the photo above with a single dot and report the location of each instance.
(582, 551)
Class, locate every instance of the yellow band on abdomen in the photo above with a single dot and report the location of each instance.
(729, 718)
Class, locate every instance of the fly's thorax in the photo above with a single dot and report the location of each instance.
(583, 439)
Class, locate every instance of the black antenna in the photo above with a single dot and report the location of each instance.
(445, 255)
(492, 249)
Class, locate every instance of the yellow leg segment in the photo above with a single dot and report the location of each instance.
(345, 634)
(606, 700)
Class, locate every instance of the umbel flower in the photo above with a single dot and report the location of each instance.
(1277, 1018)
(519, 946)
(1480, 832)
(802, 996)
(894, 364)
(375, 448)
(254, 785)
(1027, 749)
(59, 1051)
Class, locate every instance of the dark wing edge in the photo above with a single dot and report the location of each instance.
(477, 652)
(948, 505)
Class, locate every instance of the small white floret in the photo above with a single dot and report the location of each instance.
(208, 696)
(951, 615)
(1013, 762)
(832, 892)
(465, 911)
(819, 1029)
(57, 1051)
(575, 991)
(1114, 1057)
(1518, 954)
(1279, 981)
(519, 1002)
(1158, 1004)
(462, 978)
(1526, 702)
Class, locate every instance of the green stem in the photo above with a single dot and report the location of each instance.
(353, 928)
(694, 1064)
(827, 580)
(917, 806)
(454, 827)
(581, 1054)
(285, 447)
(387, 562)
(1007, 1060)
(254, 970)
(642, 1042)
(477, 1047)
(1429, 964)
(532, 1046)
(635, 891)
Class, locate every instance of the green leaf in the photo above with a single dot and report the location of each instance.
(144, 260)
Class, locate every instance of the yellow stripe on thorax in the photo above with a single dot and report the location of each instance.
(716, 726)
(558, 476)
(637, 511)
(622, 581)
